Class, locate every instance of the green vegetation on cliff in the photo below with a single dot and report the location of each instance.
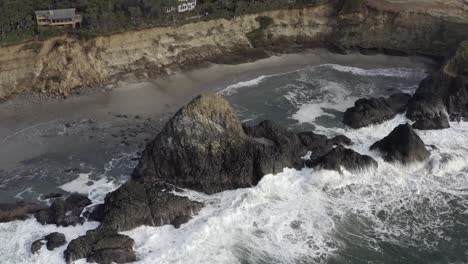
(17, 20)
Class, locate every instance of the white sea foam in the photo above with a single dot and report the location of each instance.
(231, 89)
(386, 72)
(297, 216)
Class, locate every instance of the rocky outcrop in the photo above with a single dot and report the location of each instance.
(55, 240)
(52, 241)
(205, 147)
(153, 204)
(102, 246)
(442, 94)
(372, 111)
(64, 212)
(402, 145)
(18, 211)
(341, 157)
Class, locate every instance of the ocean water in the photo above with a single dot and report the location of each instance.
(393, 214)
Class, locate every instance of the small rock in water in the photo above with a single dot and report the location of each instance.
(403, 145)
(55, 240)
(36, 246)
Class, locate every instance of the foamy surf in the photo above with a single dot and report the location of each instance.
(393, 212)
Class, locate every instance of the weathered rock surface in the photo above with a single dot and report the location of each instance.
(102, 246)
(18, 211)
(36, 246)
(372, 111)
(402, 145)
(205, 147)
(52, 241)
(342, 157)
(442, 94)
(136, 203)
(55, 240)
(64, 212)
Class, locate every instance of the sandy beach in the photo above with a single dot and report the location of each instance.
(46, 141)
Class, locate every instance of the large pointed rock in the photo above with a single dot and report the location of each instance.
(402, 145)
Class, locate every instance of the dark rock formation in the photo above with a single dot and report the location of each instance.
(402, 145)
(371, 111)
(64, 212)
(437, 122)
(52, 241)
(55, 240)
(95, 213)
(442, 94)
(205, 147)
(136, 203)
(53, 196)
(17, 211)
(36, 246)
(342, 157)
(103, 246)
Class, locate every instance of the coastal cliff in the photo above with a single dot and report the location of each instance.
(59, 65)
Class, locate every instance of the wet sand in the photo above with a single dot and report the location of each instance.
(49, 142)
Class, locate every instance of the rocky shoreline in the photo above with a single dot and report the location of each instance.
(206, 148)
(203, 147)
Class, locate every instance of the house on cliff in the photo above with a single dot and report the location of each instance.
(59, 18)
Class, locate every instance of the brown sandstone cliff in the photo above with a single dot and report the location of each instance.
(59, 65)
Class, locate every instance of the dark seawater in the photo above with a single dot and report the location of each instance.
(394, 214)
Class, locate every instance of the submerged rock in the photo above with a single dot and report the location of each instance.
(64, 212)
(436, 122)
(18, 211)
(342, 157)
(402, 145)
(372, 111)
(102, 246)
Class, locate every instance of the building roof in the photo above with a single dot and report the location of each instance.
(57, 13)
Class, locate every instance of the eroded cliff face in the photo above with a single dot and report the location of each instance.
(59, 65)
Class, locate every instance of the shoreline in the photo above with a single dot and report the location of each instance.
(93, 122)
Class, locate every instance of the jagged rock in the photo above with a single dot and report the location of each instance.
(102, 246)
(17, 211)
(372, 111)
(55, 240)
(205, 147)
(36, 246)
(403, 145)
(437, 122)
(64, 212)
(53, 196)
(95, 213)
(136, 203)
(342, 157)
(442, 94)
